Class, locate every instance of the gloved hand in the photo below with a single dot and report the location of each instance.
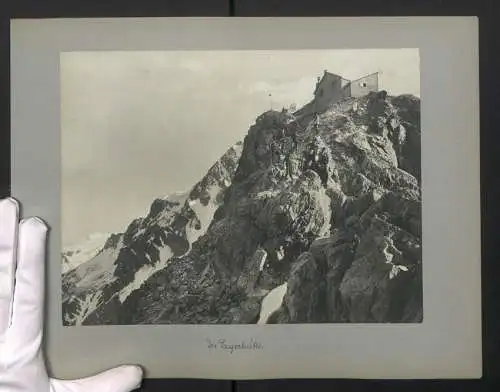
(22, 270)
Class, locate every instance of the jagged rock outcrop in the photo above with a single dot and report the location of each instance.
(328, 205)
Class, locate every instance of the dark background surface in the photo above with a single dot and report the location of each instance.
(489, 48)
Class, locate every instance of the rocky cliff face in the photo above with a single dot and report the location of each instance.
(326, 208)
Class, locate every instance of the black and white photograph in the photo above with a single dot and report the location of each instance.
(241, 187)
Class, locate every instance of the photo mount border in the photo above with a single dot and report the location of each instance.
(354, 351)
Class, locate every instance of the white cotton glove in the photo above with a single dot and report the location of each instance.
(22, 277)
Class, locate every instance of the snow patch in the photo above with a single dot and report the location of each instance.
(139, 233)
(177, 196)
(165, 253)
(84, 307)
(145, 272)
(204, 214)
(396, 269)
(263, 261)
(280, 254)
(377, 195)
(272, 302)
(388, 256)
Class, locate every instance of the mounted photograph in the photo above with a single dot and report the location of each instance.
(241, 187)
(254, 198)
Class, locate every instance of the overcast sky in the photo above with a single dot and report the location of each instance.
(138, 125)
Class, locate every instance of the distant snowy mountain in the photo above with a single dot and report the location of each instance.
(76, 255)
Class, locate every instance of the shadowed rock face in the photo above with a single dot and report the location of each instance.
(331, 206)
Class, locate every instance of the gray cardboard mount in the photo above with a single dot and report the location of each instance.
(447, 344)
